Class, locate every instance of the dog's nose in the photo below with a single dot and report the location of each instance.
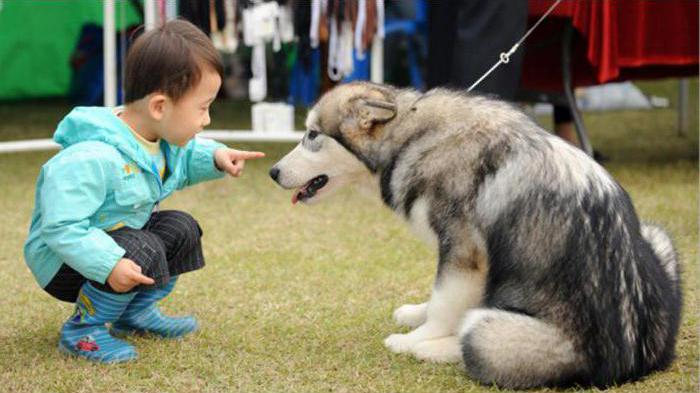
(274, 173)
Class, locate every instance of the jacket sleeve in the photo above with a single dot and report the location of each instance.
(72, 191)
(199, 162)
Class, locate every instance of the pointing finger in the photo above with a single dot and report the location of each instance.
(249, 155)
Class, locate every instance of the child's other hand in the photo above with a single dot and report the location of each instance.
(232, 161)
(126, 275)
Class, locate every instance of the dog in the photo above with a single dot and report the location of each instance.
(545, 276)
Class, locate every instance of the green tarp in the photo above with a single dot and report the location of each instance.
(37, 38)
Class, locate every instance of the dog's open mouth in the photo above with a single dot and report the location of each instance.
(309, 189)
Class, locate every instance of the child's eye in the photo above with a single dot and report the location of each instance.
(312, 135)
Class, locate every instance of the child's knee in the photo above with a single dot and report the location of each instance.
(152, 256)
(189, 226)
(145, 249)
(182, 226)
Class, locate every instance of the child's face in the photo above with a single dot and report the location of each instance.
(184, 119)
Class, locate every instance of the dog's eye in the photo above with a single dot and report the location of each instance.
(312, 135)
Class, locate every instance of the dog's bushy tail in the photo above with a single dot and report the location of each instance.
(663, 248)
(517, 351)
(667, 329)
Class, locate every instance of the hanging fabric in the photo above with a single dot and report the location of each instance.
(333, 66)
(342, 30)
(226, 39)
(286, 23)
(197, 12)
(371, 7)
(345, 57)
(304, 77)
(257, 85)
(259, 23)
(264, 22)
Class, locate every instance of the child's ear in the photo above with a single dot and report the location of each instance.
(156, 105)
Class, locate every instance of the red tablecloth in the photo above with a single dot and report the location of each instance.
(618, 40)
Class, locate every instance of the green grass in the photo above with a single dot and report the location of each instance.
(299, 299)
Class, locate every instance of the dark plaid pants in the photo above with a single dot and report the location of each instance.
(168, 245)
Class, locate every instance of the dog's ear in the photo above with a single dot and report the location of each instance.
(375, 111)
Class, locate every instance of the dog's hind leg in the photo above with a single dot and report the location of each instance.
(411, 315)
(514, 350)
(441, 350)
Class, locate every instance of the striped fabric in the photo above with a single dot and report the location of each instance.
(181, 236)
(143, 316)
(168, 245)
(85, 333)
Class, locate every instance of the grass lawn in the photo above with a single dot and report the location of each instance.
(299, 299)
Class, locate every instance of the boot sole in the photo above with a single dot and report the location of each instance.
(64, 350)
(141, 333)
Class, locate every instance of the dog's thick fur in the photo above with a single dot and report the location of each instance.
(545, 275)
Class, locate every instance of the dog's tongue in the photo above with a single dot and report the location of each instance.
(310, 188)
(299, 191)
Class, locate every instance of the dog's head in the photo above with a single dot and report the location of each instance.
(335, 150)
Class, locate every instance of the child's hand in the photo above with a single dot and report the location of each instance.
(126, 275)
(232, 161)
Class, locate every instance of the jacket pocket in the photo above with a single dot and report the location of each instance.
(132, 191)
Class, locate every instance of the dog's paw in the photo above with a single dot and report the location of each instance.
(411, 315)
(439, 350)
(400, 343)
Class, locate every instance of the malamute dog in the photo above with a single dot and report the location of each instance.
(545, 275)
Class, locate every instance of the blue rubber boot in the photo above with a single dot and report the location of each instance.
(85, 334)
(143, 316)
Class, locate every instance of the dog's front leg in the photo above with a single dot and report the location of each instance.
(411, 315)
(455, 291)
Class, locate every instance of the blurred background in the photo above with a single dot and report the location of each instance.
(298, 299)
(281, 55)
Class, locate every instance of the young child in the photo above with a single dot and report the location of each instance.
(97, 237)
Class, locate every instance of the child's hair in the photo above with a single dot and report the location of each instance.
(170, 60)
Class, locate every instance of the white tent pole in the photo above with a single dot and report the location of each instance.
(149, 14)
(109, 54)
(376, 72)
(170, 10)
(219, 135)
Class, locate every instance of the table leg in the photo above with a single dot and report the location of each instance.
(569, 91)
(683, 107)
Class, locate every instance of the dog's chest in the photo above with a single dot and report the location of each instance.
(419, 221)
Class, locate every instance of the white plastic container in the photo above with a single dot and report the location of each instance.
(272, 117)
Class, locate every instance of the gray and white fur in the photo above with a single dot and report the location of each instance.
(545, 276)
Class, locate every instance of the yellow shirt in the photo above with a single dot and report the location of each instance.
(153, 148)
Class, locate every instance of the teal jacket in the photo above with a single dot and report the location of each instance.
(102, 179)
